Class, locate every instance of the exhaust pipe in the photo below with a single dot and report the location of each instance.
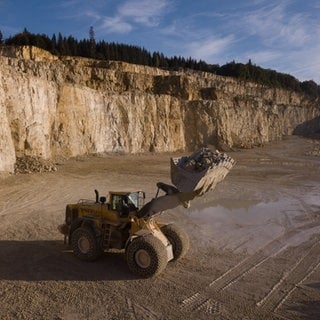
(97, 195)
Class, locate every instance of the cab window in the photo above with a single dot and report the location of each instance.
(117, 202)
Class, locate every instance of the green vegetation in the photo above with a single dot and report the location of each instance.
(103, 50)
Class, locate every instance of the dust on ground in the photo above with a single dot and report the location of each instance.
(255, 250)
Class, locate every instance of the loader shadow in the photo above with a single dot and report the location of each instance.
(52, 260)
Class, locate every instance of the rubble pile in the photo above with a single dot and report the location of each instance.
(28, 164)
(202, 159)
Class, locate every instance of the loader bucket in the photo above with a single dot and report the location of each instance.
(201, 171)
(193, 176)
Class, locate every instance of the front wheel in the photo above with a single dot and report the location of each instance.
(178, 239)
(85, 245)
(146, 256)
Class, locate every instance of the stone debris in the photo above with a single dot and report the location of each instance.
(202, 159)
(315, 149)
(192, 176)
(201, 171)
(315, 152)
(28, 164)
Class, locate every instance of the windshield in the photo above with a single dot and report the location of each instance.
(136, 199)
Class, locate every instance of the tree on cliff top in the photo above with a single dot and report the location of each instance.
(311, 88)
(133, 54)
(92, 43)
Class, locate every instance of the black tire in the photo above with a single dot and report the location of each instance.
(178, 239)
(85, 245)
(146, 256)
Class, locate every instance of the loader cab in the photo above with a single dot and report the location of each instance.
(126, 202)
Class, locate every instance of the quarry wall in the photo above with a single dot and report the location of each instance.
(71, 106)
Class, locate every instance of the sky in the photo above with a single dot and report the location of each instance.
(283, 35)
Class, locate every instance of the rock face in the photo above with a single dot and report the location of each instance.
(52, 106)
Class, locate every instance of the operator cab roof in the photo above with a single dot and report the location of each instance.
(123, 193)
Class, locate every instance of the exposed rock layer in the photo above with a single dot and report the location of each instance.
(67, 106)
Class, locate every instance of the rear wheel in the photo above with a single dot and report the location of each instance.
(85, 245)
(146, 256)
(178, 239)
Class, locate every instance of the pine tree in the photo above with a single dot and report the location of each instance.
(92, 42)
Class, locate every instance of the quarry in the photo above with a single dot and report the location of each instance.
(69, 106)
(76, 125)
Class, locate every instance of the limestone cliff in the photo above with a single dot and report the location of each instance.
(52, 106)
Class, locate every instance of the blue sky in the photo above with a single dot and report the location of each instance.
(283, 35)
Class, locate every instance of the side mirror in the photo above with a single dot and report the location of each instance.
(103, 200)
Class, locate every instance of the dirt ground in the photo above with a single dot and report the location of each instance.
(255, 250)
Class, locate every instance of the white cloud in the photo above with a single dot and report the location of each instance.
(115, 25)
(69, 3)
(209, 48)
(146, 12)
(274, 25)
(305, 64)
(278, 36)
(281, 35)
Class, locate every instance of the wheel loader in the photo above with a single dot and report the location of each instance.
(124, 221)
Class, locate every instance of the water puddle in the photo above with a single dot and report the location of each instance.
(244, 213)
(246, 225)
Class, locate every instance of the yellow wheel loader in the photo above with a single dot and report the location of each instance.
(124, 221)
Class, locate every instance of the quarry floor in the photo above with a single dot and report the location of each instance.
(255, 242)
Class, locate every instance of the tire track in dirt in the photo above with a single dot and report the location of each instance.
(137, 312)
(254, 261)
(298, 285)
(203, 301)
(303, 268)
